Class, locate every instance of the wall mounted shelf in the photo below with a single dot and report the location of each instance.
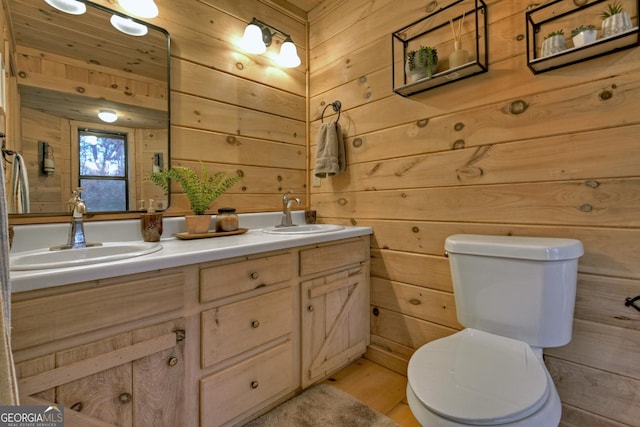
(467, 19)
(564, 15)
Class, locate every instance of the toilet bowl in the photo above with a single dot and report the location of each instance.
(474, 378)
(514, 296)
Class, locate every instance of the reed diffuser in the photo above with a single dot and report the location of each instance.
(458, 56)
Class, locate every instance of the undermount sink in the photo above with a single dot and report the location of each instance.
(40, 259)
(303, 229)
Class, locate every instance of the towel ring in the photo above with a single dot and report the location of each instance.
(337, 107)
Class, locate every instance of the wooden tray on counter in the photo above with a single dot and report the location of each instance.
(187, 236)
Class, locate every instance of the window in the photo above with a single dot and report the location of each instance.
(103, 170)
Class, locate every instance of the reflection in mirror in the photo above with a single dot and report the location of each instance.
(69, 68)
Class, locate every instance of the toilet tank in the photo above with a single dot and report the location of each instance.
(519, 287)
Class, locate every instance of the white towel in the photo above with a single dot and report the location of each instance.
(330, 158)
(20, 186)
(8, 383)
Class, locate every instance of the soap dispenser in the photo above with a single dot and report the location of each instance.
(151, 223)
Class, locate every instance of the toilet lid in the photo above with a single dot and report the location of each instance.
(479, 378)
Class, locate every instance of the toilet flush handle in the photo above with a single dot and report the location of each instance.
(446, 254)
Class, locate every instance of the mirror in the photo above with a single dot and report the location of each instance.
(68, 68)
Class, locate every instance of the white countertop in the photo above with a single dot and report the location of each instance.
(174, 252)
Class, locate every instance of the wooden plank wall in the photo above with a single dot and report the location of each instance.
(506, 152)
(236, 112)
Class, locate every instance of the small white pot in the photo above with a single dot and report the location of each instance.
(584, 37)
(553, 45)
(616, 24)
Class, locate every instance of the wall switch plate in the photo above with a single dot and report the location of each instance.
(315, 181)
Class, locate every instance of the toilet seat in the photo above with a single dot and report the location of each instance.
(474, 377)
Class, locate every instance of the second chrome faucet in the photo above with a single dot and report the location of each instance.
(286, 209)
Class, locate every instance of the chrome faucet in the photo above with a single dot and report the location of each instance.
(76, 237)
(286, 209)
(76, 232)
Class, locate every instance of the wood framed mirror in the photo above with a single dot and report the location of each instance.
(67, 69)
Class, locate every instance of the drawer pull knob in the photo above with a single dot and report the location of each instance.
(254, 384)
(255, 324)
(125, 398)
(77, 406)
(173, 361)
(254, 275)
(310, 308)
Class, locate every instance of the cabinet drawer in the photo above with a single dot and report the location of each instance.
(56, 317)
(229, 393)
(231, 279)
(323, 258)
(234, 328)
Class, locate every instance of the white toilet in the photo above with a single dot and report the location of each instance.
(515, 296)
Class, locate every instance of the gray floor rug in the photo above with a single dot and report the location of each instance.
(323, 406)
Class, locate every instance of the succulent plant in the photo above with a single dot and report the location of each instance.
(582, 28)
(424, 55)
(612, 9)
(555, 33)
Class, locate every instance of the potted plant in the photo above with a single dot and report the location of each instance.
(421, 63)
(201, 190)
(584, 34)
(615, 20)
(554, 43)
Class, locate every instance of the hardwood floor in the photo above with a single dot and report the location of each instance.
(380, 388)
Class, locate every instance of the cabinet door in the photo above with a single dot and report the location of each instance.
(335, 326)
(131, 379)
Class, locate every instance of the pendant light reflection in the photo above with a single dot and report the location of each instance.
(257, 37)
(72, 7)
(108, 116)
(128, 26)
(140, 8)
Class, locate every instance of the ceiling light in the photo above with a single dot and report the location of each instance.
(141, 8)
(128, 26)
(108, 116)
(257, 37)
(288, 57)
(69, 6)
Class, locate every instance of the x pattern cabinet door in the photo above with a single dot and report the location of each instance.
(334, 322)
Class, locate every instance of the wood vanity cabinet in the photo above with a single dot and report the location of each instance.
(211, 344)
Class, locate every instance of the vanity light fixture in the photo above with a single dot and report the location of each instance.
(258, 36)
(72, 7)
(128, 26)
(108, 116)
(140, 8)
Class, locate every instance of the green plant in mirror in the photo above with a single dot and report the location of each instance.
(201, 189)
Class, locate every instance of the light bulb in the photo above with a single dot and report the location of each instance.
(68, 6)
(140, 8)
(252, 41)
(288, 57)
(108, 116)
(127, 26)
